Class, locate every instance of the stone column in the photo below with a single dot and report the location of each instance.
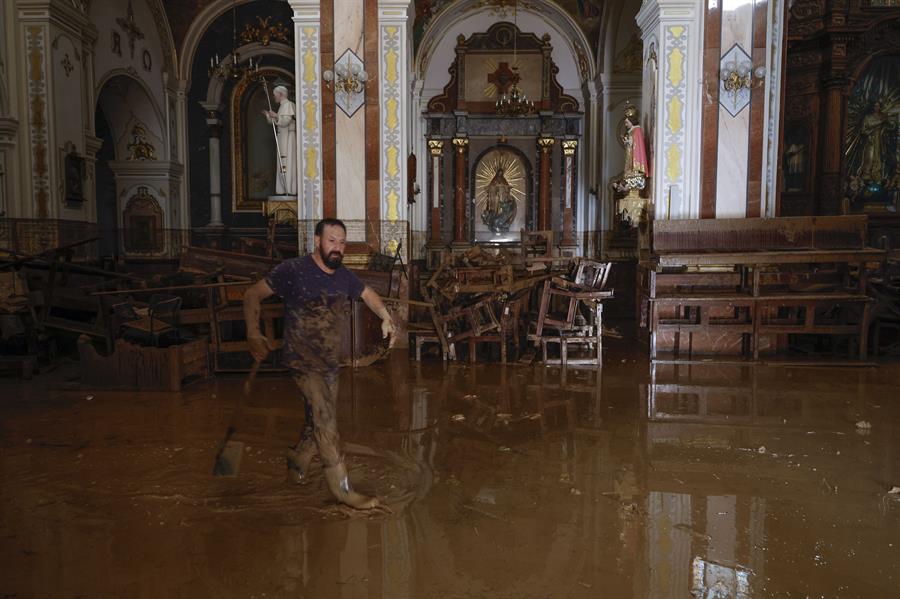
(568, 189)
(435, 154)
(461, 144)
(215, 167)
(673, 30)
(545, 208)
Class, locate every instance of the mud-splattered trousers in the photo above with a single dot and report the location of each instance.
(320, 406)
(314, 363)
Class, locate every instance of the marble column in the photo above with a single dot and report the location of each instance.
(420, 211)
(181, 148)
(215, 169)
(308, 98)
(435, 155)
(545, 208)
(589, 213)
(393, 103)
(461, 161)
(672, 30)
(568, 188)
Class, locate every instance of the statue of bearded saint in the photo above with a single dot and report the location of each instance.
(500, 207)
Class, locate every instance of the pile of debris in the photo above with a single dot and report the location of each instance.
(504, 301)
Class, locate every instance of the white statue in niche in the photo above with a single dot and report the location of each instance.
(285, 121)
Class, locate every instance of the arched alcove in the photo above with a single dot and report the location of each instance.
(126, 103)
(212, 121)
(130, 125)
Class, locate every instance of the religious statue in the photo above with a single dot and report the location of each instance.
(637, 169)
(500, 207)
(876, 126)
(285, 124)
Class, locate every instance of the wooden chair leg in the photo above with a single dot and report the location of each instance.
(599, 324)
(542, 311)
(864, 332)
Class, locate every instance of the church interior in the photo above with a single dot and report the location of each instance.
(639, 263)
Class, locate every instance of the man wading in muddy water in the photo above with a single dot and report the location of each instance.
(316, 290)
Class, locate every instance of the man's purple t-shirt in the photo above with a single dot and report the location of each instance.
(313, 301)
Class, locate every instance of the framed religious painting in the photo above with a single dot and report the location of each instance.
(257, 158)
(795, 156)
(74, 178)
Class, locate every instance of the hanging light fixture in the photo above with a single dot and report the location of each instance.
(513, 102)
(230, 67)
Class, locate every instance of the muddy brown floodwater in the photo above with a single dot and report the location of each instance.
(706, 481)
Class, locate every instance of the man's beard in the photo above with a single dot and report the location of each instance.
(332, 260)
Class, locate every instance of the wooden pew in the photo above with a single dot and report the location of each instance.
(730, 285)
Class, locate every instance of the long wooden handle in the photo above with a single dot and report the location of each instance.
(251, 378)
(400, 300)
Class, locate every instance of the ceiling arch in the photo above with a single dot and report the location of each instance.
(198, 27)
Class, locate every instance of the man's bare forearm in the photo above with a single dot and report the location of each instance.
(253, 298)
(373, 301)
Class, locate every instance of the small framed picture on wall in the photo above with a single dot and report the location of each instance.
(74, 178)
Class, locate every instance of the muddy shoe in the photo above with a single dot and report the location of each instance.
(298, 459)
(339, 484)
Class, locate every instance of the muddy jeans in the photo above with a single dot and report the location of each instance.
(320, 405)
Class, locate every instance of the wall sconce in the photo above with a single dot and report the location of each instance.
(348, 81)
(737, 76)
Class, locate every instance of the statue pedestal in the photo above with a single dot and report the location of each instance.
(282, 207)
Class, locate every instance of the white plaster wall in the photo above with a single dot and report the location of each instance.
(103, 14)
(66, 103)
